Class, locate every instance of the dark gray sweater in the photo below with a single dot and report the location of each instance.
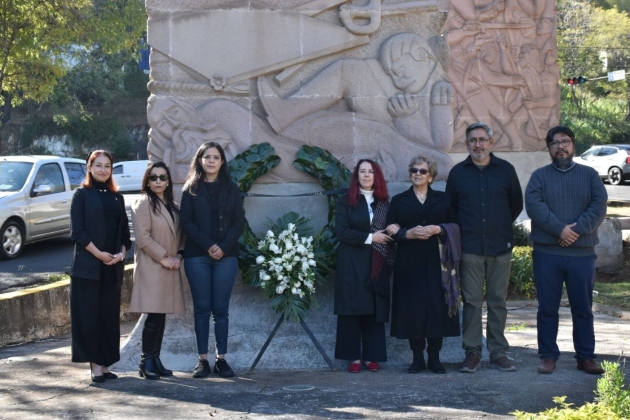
(554, 199)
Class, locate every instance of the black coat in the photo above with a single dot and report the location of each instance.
(352, 297)
(419, 308)
(86, 225)
(194, 216)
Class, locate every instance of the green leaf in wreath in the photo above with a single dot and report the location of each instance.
(251, 164)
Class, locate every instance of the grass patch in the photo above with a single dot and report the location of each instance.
(516, 327)
(613, 294)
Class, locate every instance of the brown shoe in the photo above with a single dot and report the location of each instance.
(590, 366)
(547, 366)
(503, 364)
(470, 364)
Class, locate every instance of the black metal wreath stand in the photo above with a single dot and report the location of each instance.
(308, 332)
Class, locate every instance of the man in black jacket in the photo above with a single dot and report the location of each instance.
(487, 198)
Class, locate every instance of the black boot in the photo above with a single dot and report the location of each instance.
(435, 365)
(418, 362)
(156, 353)
(147, 368)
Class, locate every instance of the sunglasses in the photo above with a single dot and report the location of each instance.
(421, 170)
(154, 178)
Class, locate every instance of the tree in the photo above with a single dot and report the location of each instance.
(39, 38)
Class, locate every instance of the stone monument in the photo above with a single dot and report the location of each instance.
(379, 79)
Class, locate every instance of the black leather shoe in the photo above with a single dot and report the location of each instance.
(222, 369)
(434, 364)
(110, 375)
(202, 369)
(97, 379)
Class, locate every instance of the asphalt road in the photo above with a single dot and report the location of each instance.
(42, 259)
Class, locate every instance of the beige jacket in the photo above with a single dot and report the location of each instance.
(156, 289)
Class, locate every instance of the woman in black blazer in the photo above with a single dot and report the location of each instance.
(212, 217)
(419, 308)
(100, 231)
(364, 265)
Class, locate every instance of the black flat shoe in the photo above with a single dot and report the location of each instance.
(110, 375)
(222, 369)
(97, 379)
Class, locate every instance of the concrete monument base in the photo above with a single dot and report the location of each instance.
(251, 322)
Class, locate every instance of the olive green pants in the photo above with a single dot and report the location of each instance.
(494, 272)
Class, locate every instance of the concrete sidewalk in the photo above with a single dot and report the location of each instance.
(37, 381)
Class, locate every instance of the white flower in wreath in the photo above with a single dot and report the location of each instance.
(311, 262)
(278, 260)
(260, 259)
(274, 248)
(270, 234)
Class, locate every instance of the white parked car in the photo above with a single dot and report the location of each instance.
(35, 197)
(611, 161)
(128, 175)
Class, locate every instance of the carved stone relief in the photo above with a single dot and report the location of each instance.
(503, 69)
(358, 78)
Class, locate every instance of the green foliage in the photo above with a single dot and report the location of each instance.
(521, 235)
(292, 306)
(598, 110)
(521, 282)
(611, 389)
(245, 169)
(331, 173)
(251, 164)
(613, 402)
(39, 38)
(602, 121)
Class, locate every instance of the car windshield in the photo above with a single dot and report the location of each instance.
(13, 175)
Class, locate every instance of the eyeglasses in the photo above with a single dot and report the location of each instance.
(481, 140)
(421, 170)
(564, 142)
(154, 178)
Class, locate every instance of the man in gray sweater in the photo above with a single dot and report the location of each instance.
(566, 203)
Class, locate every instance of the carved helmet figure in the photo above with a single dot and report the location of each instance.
(408, 60)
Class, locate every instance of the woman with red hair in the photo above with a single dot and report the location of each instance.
(100, 231)
(365, 260)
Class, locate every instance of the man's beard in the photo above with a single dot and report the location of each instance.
(563, 162)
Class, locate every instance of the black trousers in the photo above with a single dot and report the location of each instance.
(360, 337)
(95, 319)
(418, 344)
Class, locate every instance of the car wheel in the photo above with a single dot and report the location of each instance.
(615, 176)
(12, 238)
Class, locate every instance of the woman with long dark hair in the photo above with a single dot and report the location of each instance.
(157, 282)
(212, 218)
(365, 260)
(100, 230)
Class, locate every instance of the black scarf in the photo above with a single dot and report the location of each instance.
(383, 255)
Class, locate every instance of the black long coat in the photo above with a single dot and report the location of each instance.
(419, 308)
(354, 258)
(86, 225)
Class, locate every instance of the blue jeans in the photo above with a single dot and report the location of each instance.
(578, 273)
(211, 283)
